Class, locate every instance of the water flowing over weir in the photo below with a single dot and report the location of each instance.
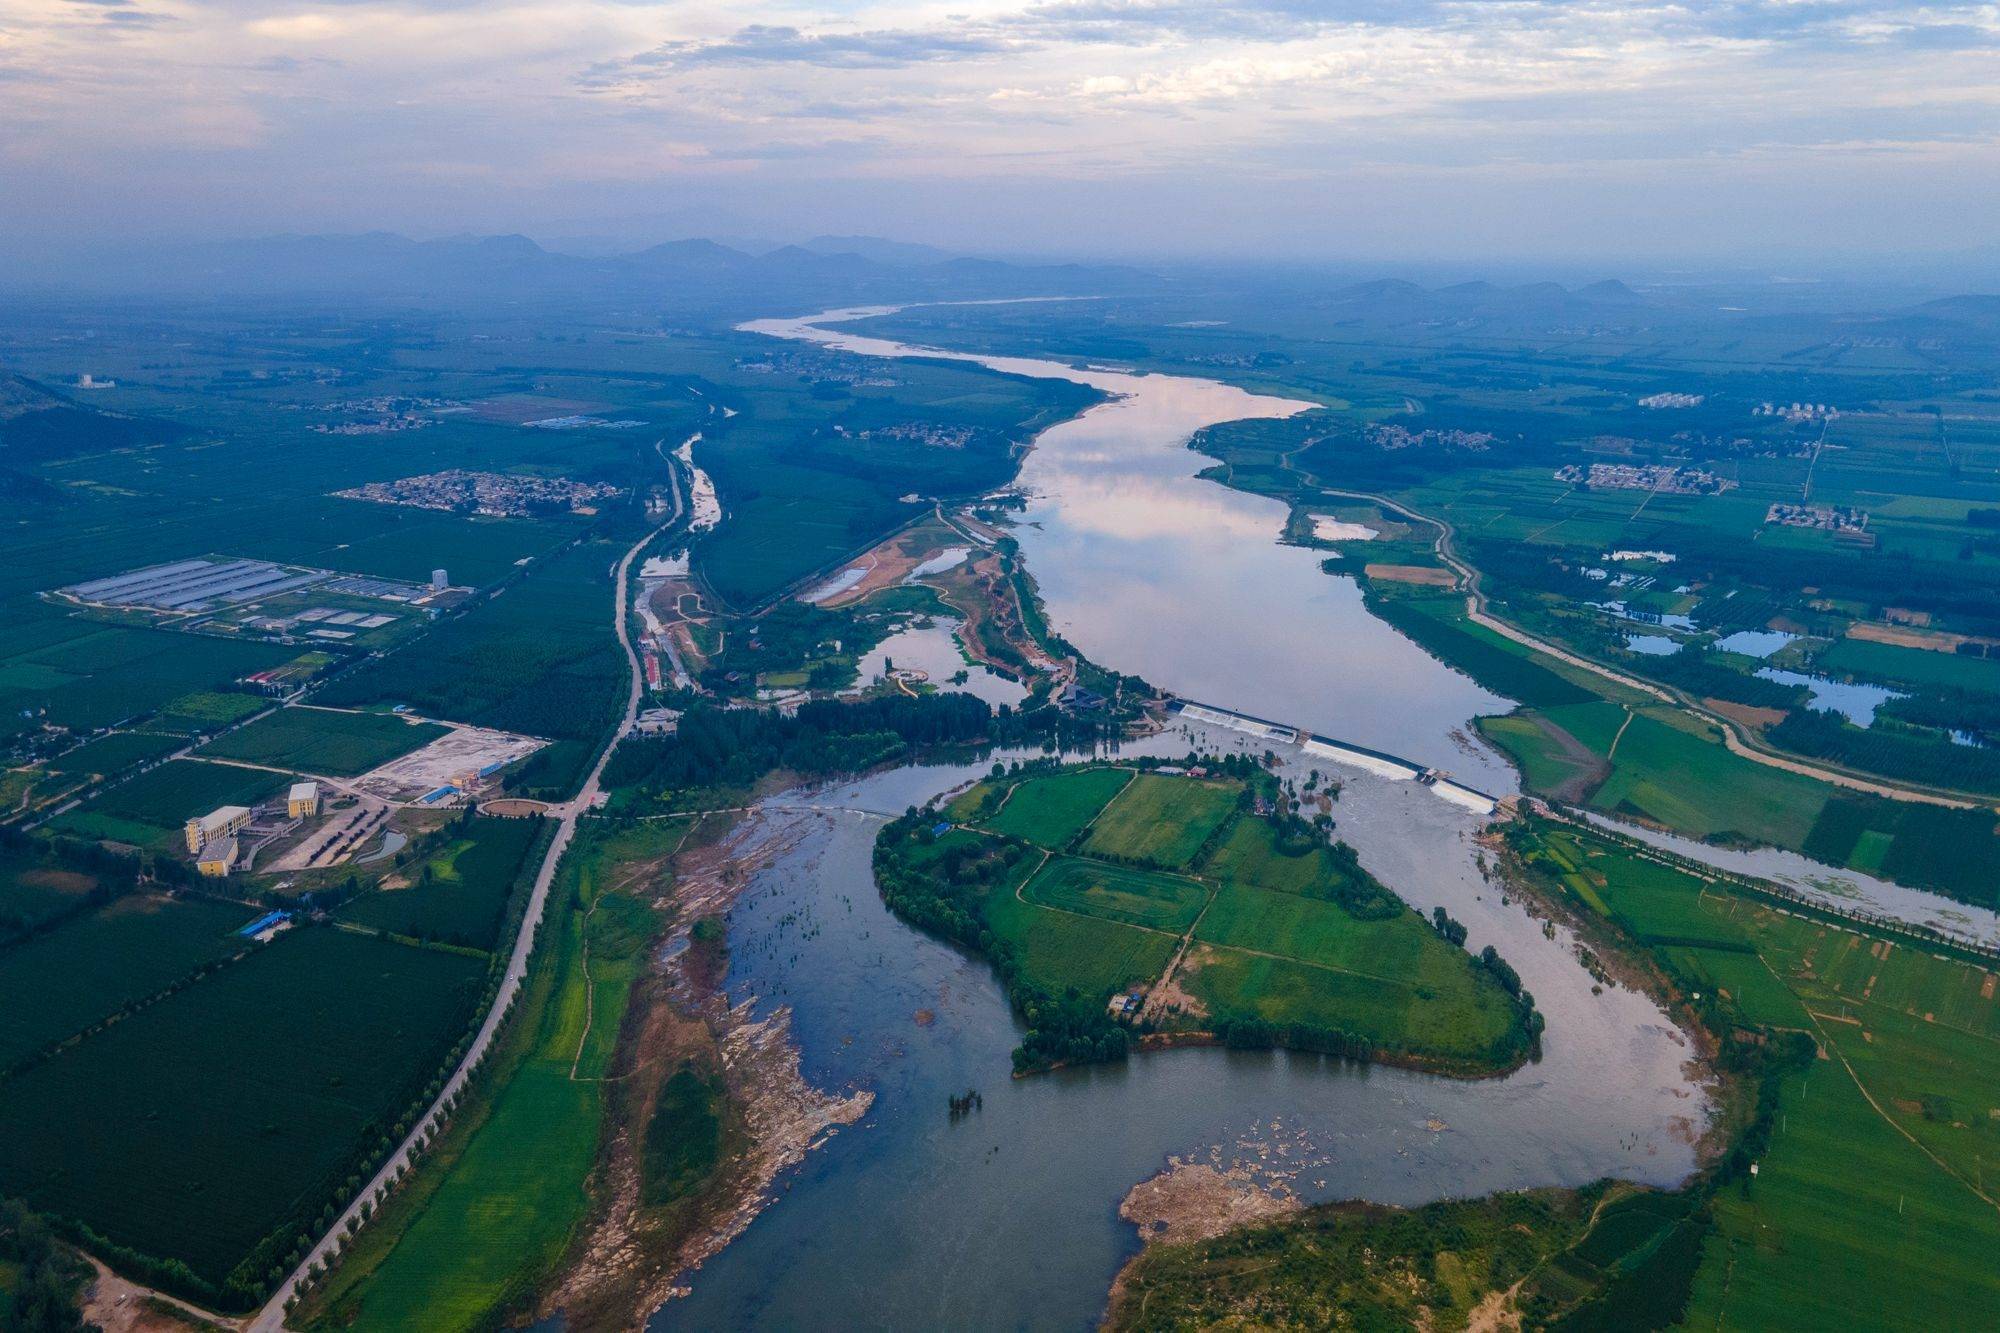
(1007, 1218)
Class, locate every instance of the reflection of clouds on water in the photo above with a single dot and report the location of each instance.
(1118, 506)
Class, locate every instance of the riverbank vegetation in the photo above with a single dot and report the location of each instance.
(1869, 1203)
(487, 1215)
(1845, 1185)
(1603, 1257)
(1180, 902)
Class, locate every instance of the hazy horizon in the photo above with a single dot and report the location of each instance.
(1833, 132)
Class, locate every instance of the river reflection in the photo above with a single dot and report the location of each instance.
(1008, 1218)
(1147, 568)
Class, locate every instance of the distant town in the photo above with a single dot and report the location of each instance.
(1660, 477)
(493, 494)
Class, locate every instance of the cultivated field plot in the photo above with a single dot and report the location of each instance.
(1162, 820)
(202, 1123)
(1118, 893)
(1049, 811)
(56, 984)
(36, 887)
(460, 753)
(458, 895)
(323, 740)
(150, 810)
(1844, 1175)
(1293, 960)
(1058, 950)
(1280, 927)
(114, 753)
(1251, 854)
(109, 674)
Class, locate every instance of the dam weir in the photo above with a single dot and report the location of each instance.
(1382, 765)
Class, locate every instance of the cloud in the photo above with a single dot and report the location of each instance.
(886, 48)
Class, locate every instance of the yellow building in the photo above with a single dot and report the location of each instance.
(218, 858)
(304, 800)
(223, 823)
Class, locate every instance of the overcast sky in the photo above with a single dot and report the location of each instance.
(1478, 128)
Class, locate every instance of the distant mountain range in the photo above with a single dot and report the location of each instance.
(693, 275)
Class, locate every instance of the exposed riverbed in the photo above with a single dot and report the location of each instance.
(1008, 1217)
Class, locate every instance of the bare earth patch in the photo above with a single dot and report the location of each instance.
(1429, 576)
(1192, 1201)
(634, 1259)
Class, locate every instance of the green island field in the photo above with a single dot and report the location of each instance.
(1228, 919)
(1863, 1099)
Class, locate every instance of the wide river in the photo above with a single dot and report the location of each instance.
(1007, 1218)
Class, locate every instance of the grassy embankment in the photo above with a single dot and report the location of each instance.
(1084, 882)
(488, 1215)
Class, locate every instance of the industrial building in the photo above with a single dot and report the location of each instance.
(303, 803)
(217, 859)
(215, 825)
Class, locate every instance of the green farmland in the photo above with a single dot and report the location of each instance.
(321, 740)
(493, 1208)
(1871, 1203)
(1267, 933)
(55, 984)
(1050, 811)
(1162, 821)
(458, 895)
(230, 1111)
(148, 811)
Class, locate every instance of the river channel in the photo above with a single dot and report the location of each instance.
(1007, 1218)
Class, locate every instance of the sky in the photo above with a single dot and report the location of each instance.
(1269, 128)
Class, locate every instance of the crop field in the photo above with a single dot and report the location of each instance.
(1285, 929)
(1251, 854)
(149, 810)
(202, 1123)
(115, 753)
(111, 673)
(1161, 820)
(36, 886)
(460, 894)
(1885, 661)
(1288, 959)
(1058, 950)
(205, 710)
(1656, 904)
(56, 984)
(1693, 785)
(321, 740)
(1049, 811)
(540, 659)
(1848, 1220)
(1118, 893)
(493, 1207)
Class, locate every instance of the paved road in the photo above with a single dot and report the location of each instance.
(1733, 735)
(272, 1317)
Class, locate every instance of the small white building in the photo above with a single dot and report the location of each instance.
(303, 803)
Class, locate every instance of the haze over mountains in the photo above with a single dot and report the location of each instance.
(703, 278)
